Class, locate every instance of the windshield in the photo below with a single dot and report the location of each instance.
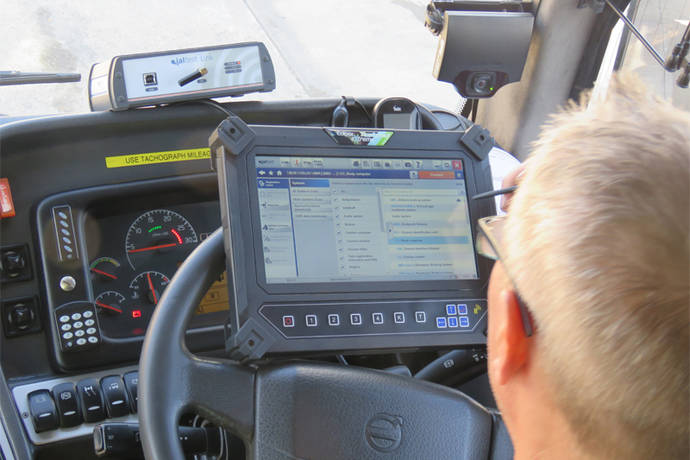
(662, 22)
(323, 48)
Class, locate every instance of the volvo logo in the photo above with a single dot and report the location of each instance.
(384, 432)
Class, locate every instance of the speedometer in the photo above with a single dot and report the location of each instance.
(156, 233)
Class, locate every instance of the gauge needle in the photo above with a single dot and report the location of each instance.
(101, 304)
(151, 248)
(101, 272)
(153, 291)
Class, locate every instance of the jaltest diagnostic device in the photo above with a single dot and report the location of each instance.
(343, 239)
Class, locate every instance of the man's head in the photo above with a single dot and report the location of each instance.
(597, 244)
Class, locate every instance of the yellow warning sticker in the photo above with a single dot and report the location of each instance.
(152, 158)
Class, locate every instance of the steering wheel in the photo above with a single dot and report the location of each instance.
(295, 410)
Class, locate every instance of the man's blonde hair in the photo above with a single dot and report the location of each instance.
(599, 249)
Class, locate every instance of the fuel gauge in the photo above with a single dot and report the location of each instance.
(110, 303)
(112, 315)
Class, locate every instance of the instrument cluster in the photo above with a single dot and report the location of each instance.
(133, 256)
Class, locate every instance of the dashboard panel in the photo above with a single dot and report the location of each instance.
(98, 239)
(59, 164)
(52, 161)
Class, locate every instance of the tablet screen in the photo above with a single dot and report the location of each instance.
(336, 219)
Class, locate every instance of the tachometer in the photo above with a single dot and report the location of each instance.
(156, 233)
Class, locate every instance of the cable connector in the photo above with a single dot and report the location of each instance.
(341, 115)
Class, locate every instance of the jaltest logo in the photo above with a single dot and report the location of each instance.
(188, 59)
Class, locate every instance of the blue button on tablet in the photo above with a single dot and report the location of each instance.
(462, 309)
(452, 321)
(464, 321)
(441, 322)
(450, 309)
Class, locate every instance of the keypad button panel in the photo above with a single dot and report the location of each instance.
(77, 326)
(372, 318)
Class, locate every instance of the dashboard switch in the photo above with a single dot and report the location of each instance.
(90, 399)
(114, 395)
(14, 263)
(43, 412)
(20, 316)
(67, 406)
(131, 384)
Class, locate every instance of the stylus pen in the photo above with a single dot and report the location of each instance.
(500, 191)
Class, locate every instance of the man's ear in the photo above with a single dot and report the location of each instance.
(510, 350)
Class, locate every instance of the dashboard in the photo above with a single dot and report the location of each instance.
(133, 256)
(99, 241)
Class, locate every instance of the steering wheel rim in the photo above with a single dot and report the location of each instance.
(292, 409)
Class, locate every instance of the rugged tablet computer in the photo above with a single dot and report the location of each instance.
(343, 239)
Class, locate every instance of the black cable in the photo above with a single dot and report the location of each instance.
(208, 102)
(475, 104)
(216, 105)
(462, 121)
(364, 109)
(429, 119)
(340, 116)
(467, 108)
